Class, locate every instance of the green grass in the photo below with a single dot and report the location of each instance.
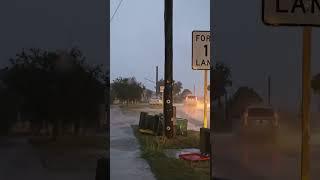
(165, 168)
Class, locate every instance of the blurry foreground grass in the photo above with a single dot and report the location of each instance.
(166, 168)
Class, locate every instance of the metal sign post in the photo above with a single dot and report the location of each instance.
(201, 61)
(298, 13)
(205, 88)
(306, 91)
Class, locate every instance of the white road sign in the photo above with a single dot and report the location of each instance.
(291, 12)
(161, 89)
(201, 50)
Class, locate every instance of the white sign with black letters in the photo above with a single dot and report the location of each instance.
(291, 12)
(161, 89)
(201, 50)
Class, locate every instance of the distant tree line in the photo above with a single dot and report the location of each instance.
(127, 90)
(56, 87)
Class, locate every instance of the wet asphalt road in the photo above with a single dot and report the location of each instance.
(19, 160)
(125, 160)
(235, 159)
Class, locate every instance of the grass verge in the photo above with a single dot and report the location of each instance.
(166, 168)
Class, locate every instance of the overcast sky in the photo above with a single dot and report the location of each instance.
(250, 48)
(242, 41)
(254, 50)
(137, 39)
(53, 24)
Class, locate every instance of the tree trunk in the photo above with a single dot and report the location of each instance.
(57, 129)
(226, 105)
(219, 102)
(76, 128)
(46, 127)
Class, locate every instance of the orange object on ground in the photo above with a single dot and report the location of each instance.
(194, 157)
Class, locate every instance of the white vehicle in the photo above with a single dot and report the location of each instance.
(260, 120)
(191, 100)
(155, 101)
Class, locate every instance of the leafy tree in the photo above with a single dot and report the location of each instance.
(149, 93)
(244, 97)
(177, 87)
(127, 89)
(221, 80)
(56, 87)
(315, 84)
(8, 108)
(185, 93)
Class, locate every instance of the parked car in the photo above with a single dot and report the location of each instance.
(155, 101)
(200, 103)
(259, 120)
(191, 100)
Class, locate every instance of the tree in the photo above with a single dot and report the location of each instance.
(177, 87)
(244, 97)
(148, 93)
(315, 84)
(221, 80)
(8, 108)
(185, 93)
(56, 87)
(127, 89)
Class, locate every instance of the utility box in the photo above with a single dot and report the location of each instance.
(142, 122)
(205, 146)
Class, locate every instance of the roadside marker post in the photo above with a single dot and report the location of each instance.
(201, 61)
(205, 119)
(298, 13)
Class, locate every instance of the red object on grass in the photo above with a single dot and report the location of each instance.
(194, 157)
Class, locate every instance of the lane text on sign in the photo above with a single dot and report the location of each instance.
(291, 12)
(201, 50)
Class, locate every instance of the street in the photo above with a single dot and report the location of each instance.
(233, 158)
(125, 161)
(19, 160)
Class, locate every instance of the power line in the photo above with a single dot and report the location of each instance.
(116, 10)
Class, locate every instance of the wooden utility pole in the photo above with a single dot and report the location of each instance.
(157, 83)
(306, 94)
(168, 67)
(269, 90)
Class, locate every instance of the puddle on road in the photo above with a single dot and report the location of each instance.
(124, 144)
